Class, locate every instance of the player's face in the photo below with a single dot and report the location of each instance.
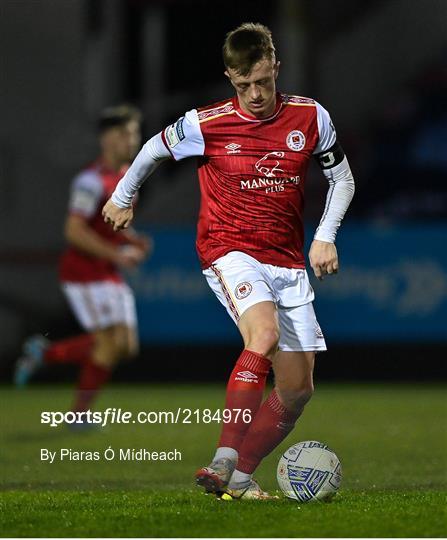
(256, 91)
(122, 142)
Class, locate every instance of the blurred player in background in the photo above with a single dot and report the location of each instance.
(90, 268)
(253, 151)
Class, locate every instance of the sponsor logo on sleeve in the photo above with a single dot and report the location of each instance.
(179, 128)
(174, 133)
(296, 140)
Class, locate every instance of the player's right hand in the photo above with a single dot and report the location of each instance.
(119, 218)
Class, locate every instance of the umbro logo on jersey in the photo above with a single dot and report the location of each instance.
(246, 376)
(233, 148)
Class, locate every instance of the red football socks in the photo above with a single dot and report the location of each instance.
(75, 350)
(244, 391)
(271, 426)
(91, 380)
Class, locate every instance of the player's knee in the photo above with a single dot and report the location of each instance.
(104, 351)
(126, 346)
(105, 357)
(264, 340)
(295, 395)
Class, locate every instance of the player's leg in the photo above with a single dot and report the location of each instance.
(240, 287)
(97, 369)
(279, 412)
(38, 351)
(274, 420)
(293, 367)
(112, 342)
(73, 350)
(260, 332)
(245, 389)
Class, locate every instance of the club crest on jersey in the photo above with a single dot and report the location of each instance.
(296, 140)
(242, 290)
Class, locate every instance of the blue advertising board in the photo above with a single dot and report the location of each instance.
(392, 286)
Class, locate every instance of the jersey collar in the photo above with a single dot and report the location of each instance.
(250, 118)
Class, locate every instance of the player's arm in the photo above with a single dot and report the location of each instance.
(179, 140)
(79, 234)
(335, 167)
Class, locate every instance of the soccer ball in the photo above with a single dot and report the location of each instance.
(309, 471)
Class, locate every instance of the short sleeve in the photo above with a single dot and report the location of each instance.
(86, 194)
(326, 130)
(184, 138)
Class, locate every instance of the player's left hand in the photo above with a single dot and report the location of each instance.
(323, 258)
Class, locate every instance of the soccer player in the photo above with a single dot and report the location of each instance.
(253, 152)
(90, 268)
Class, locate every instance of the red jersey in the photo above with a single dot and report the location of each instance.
(90, 190)
(252, 175)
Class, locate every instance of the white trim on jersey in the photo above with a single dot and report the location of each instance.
(147, 160)
(326, 130)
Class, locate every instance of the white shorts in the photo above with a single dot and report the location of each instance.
(239, 281)
(101, 304)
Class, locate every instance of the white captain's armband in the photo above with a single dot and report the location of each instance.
(330, 158)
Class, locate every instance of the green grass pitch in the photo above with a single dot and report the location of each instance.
(391, 440)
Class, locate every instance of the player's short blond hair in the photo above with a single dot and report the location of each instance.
(246, 45)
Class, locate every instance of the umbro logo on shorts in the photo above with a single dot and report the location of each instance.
(242, 290)
(246, 376)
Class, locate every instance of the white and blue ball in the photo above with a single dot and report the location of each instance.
(309, 471)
